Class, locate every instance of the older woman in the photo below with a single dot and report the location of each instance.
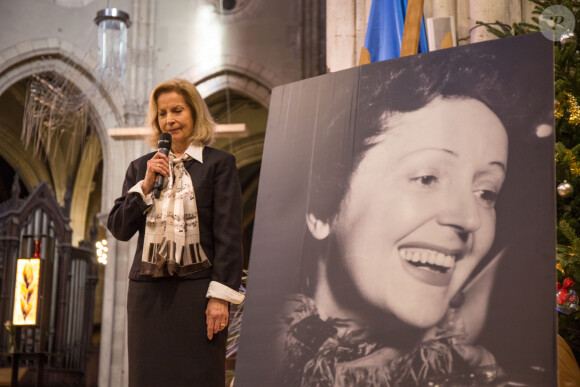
(188, 262)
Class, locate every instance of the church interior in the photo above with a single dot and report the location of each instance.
(70, 124)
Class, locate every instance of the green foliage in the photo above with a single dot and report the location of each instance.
(567, 147)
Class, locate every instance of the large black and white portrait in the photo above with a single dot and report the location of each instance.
(404, 233)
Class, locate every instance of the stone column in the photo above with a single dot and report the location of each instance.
(140, 66)
(113, 348)
(490, 11)
(440, 8)
(463, 22)
(312, 37)
(346, 24)
(113, 365)
(527, 8)
(363, 9)
(340, 40)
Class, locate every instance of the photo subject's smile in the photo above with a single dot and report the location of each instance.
(432, 266)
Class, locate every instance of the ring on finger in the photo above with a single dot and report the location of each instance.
(158, 165)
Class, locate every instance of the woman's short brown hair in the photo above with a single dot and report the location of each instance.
(203, 123)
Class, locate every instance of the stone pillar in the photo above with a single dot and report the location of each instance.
(141, 59)
(514, 14)
(463, 22)
(441, 8)
(113, 365)
(113, 348)
(490, 11)
(527, 8)
(346, 25)
(363, 9)
(340, 40)
(312, 37)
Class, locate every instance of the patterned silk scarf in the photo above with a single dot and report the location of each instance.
(171, 244)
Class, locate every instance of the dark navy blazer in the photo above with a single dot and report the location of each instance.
(219, 206)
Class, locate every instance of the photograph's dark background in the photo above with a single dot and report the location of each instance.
(520, 330)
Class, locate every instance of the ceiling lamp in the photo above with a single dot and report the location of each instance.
(113, 24)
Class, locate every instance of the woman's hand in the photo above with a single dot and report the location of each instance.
(216, 316)
(157, 164)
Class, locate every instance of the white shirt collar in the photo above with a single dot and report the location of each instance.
(195, 151)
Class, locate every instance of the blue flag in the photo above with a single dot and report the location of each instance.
(385, 30)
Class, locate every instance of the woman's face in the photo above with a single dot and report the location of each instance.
(174, 117)
(419, 214)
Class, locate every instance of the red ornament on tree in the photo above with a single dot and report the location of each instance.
(566, 298)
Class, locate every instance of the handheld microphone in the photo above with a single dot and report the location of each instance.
(163, 145)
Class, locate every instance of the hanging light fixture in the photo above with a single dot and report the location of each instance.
(113, 24)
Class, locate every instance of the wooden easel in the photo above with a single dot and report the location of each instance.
(411, 32)
(412, 28)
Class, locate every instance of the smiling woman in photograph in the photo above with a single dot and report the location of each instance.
(400, 259)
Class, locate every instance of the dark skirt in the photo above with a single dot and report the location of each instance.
(167, 335)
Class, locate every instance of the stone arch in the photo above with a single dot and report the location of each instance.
(237, 81)
(60, 57)
(248, 80)
(44, 55)
(255, 84)
(237, 73)
(30, 170)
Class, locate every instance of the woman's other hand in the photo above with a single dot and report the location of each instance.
(216, 316)
(159, 163)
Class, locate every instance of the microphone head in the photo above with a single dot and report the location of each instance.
(164, 141)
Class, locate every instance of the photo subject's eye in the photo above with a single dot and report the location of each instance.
(426, 180)
(489, 197)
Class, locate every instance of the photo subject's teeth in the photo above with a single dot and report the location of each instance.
(449, 261)
(428, 257)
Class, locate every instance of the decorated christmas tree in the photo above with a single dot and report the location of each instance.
(549, 17)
